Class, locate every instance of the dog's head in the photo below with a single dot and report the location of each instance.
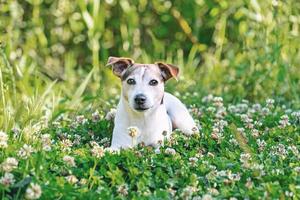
(142, 84)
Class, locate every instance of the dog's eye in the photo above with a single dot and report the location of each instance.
(153, 82)
(130, 81)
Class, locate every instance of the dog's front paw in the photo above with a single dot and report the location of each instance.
(191, 131)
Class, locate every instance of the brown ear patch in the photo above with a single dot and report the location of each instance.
(119, 64)
(168, 70)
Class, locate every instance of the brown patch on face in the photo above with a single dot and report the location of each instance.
(119, 64)
(151, 67)
(168, 70)
(129, 71)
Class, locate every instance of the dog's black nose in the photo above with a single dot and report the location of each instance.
(140, 99)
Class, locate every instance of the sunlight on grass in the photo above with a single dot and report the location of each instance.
(239, 76)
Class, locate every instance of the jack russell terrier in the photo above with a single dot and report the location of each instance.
(145, 105)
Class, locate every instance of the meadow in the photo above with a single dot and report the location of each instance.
(240, 78)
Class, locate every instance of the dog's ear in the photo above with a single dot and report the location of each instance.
(168, 71)
(119, 65)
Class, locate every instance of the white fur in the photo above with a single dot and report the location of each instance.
(151, 123)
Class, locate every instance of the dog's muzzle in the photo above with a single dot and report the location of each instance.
(140, 101)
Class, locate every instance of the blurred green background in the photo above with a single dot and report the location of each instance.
(53, 52)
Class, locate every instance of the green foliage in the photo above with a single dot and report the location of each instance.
(242, 159)
(241, 49)
(52, 68)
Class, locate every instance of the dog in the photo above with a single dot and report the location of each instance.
(145, 105)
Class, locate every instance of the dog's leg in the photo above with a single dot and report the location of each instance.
(179, 115)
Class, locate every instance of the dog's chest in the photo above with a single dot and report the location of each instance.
(152, 129)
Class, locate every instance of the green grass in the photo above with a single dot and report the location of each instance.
(249, 151)
(52, 71)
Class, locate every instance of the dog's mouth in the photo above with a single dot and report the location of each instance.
(141, 108)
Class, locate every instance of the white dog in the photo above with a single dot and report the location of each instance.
(145, 105)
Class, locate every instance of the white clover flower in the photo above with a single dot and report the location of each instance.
(105, 140)
(245, 159)
(255, 133)
(213, 191)
(7, 180)
(9, 164)
(296, 116)
(207, 98)
(209, 154)
(112, 150)
(218, 129)
(245, 118)
(288, 111)
(218, 101)
(234, 177)
(123, 190)
(193, 160)
(46, 138)
(3, 139)
(16, 132)
(188, 192)
(232, 109)
(211, 109)
(77, 139)
(294, 149)
(240, 130)
(249, 183)
(25, 151)
(34, 191)
(83, 181)
(297, 170)
(259, 168)
(196, 111)
(222, 173)
(97, 151)
(46, 142)
(69, 160)
(265, 111)
(171, 191)
(207, 197)
(170, 151)
(242, 107)
(258, 123)
(234, 141)
(133, 131)
(217, 134)
(94, 143)
(197, 198)
(261, 144)
(80, 119)
(72, 179)
(256, 107)
(280, 150)
(289, 194)
(157, 151)
(277, 172)
(111, 114)
(221, 113)
(270, 103)
(95, 116)
(66, 145)
(284, 121)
